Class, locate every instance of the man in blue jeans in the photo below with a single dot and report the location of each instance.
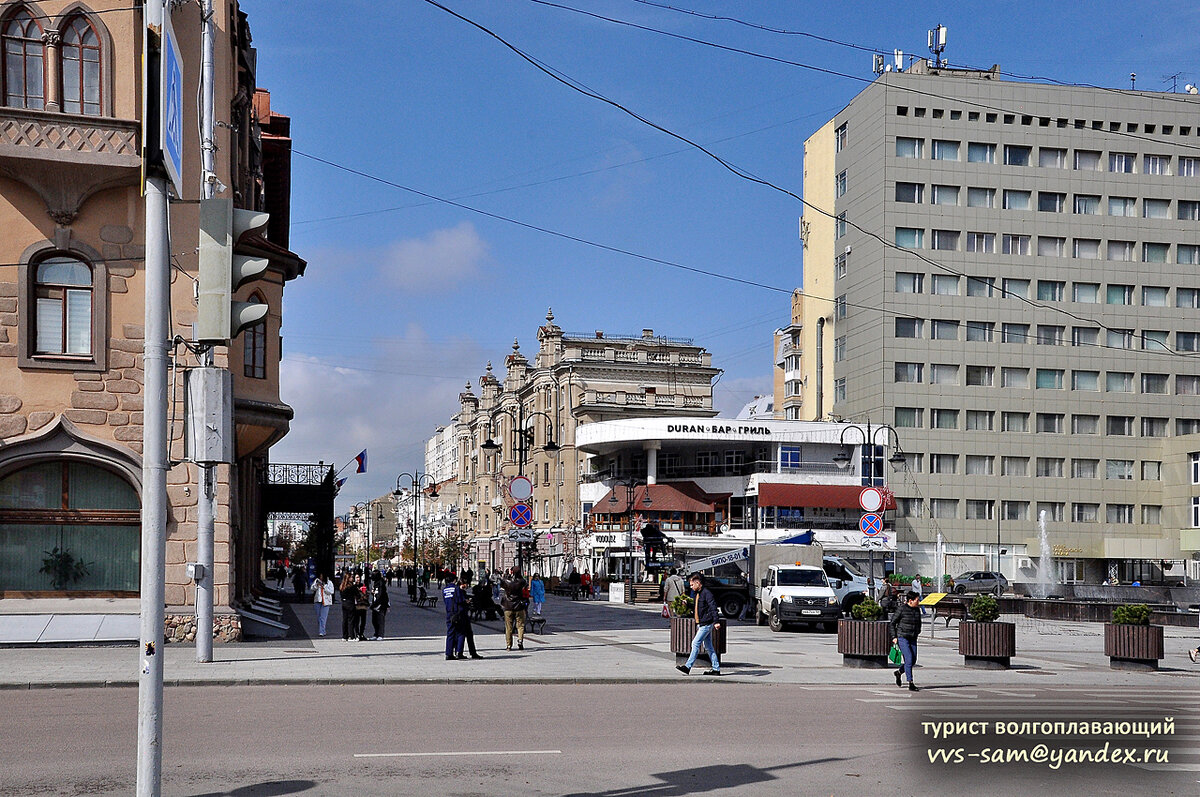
(706, 621)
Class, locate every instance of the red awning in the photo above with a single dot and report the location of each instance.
(814, 496)
(672, 497)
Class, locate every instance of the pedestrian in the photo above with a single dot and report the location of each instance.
(410, 575)
(673, 587)
(514, 605)
(906, 627)
(362, 602)
(465, 632)
(481, 600)
(585, 585)
(707, 621)
(537, 594)
(379, 604)
(347, 591)
(456, 605)
(323, 599)
(299, 581)
(917, 588)
(574, 580)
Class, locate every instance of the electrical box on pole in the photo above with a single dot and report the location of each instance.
(209, 415)
(219, 319)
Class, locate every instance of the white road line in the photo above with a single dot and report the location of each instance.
(459, 752)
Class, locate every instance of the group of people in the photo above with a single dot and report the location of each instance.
(516, 596)
(359, 595)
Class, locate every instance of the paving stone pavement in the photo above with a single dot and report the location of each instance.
(584, 641)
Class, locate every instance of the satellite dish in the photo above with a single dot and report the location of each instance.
(1190, 89)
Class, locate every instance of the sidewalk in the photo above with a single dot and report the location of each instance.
(584, 642)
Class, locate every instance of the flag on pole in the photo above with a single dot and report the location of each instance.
(342, 481)
(361, 459)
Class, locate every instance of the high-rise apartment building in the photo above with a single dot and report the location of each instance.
(1008, 274)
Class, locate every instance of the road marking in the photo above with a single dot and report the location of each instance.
(459, 752)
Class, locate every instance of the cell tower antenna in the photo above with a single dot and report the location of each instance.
(937, 45)
(1174, 81)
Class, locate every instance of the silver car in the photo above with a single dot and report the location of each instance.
(979, 581)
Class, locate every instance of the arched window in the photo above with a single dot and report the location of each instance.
(68, 526)
(24, 62)
(254, 346)
(63, 291)
(81, 68)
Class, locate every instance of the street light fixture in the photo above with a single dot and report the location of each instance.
(870, 438)
(631, 485)
(415, 479)
(525, 439)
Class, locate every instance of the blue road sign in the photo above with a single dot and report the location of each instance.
(520, 515)
(870, 525)
(172, 107)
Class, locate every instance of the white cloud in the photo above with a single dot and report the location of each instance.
(440, 260)
(388, 401)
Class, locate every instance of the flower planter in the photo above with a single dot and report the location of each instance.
(864, 643)
(1133, 647)
(683, 629)
(987, 646)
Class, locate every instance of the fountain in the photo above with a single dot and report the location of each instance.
(1044, 560)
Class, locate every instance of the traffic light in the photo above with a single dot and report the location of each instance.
(219, 319)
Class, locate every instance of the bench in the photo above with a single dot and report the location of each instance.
(564, 590)
(428, 600)
(537, 623)
(949, 610)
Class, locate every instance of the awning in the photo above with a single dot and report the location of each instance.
(814, 496)
(672, 497)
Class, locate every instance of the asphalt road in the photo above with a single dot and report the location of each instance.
(617, 740)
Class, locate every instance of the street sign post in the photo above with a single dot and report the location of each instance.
(172, 107)
(871, 499)
(871, 525)
(520, 515)
(520, 489)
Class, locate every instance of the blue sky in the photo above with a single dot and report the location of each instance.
(406, 298)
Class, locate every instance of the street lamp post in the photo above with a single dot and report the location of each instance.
(524, 439)
(630, 485)
(869, 438)
(416, 481)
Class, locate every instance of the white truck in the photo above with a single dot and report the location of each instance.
(733, 595)
(797, 594)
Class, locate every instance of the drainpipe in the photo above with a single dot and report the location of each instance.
(820, 369)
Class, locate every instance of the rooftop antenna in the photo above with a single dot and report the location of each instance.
(1132, 80)
(937, 45)
(1190, 89)
(877, 63)
(898, 59)
(1174, 81)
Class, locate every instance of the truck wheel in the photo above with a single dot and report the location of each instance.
(775, 621)
(829, 628)
(731, 606)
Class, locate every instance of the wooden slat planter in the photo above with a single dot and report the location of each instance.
(683, 629)
(987, 646)
(643, 593)
(1133, 647)
(864, 643)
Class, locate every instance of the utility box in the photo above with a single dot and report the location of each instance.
(209, 415)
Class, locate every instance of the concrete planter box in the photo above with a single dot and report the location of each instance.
(987, 646)
(683, 629)
(864, 643)
(1133, 647)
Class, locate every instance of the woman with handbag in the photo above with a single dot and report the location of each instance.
(906, 627)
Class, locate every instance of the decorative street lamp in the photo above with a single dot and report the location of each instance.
(525, 438)
(631, 485)
(869, 438)
(416, 480)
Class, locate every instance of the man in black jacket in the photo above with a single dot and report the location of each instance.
(706, 621)
(906, 627)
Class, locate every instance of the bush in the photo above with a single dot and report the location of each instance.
(1131, 614)
(984, 609)
(868, 609)
(683, 606)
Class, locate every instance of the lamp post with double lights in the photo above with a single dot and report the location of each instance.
(524, 438)
(358, 512)
(417, 481)
(869, 439)
(631, 486)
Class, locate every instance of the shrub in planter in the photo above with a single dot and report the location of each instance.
(984, 642)
(867, 609)
(683, 606)
(1130, 642)
(984, 609)
(865, 640)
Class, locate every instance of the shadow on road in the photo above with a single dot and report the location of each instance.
(274, 788)
(698, 780)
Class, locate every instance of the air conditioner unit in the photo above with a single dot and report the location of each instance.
(1023, 563)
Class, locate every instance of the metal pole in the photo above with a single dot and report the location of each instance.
(154, 455)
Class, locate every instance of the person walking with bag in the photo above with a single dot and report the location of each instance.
(673, 587)
(514, 605)
(906, 627)
(323, 599)
(707, 621)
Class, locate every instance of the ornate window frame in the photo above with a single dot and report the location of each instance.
(27, 359)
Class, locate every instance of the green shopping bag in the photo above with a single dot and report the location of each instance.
(894, 656)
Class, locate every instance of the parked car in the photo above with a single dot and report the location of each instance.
(979, 581)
